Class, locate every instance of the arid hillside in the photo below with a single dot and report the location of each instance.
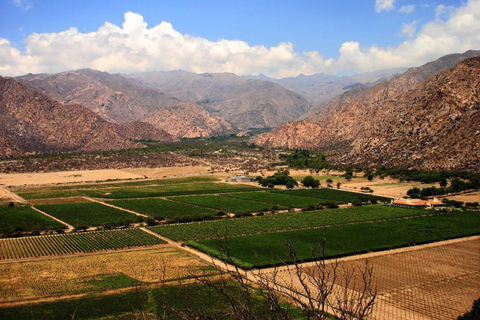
(244, 102)
(113, 97)
(31, 122)
(436, 125)
(187, 120)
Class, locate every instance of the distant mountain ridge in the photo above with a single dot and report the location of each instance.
(367, 125)
(244, 103)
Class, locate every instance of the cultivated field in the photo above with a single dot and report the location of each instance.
(267, 249)
(71, 243)
(94, 270)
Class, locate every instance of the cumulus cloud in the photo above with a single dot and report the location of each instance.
(135, 47)
(384, 5)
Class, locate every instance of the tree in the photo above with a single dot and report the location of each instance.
(443, 183)
(348, 177)
(309, 181)
(338, 185)
(317, 289)
(329, 181)
(370, 177)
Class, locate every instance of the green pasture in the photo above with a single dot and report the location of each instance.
(282, 222)
(263, 250)
(227, 204)
(88, 214)
(161, 209)
(24, 219)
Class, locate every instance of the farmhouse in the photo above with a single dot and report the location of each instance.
(417, 203)
(239, 178)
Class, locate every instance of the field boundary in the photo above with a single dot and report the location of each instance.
(115, 207)
(70, 228)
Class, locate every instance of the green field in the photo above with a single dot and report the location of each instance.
(137, 189)
(227, 204)
(332, 194)
(70, 243)
(25, 219)
(282, 199)
(167, 302)
(88, 214)
(269, 249)
(163, 209)
(281, 222)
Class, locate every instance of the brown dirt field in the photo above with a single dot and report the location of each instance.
(74, 274)
(467, 197)
(438, 282)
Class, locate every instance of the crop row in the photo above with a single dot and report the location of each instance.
(134, 190)
(60, 244)
(269, 249)
(332, 194)
(284, 221)
(227, 204)
(25, 219)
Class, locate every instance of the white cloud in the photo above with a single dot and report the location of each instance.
(442, 12)
(407, 9)
(384, 5)
(409, 28)
(22, 4)
(134, 47)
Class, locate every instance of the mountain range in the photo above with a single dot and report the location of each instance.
(426, 118)
(246, 103)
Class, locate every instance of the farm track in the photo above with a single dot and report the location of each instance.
(70, 228)
(115, 207)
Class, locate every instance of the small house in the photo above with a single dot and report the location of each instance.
(239, 178)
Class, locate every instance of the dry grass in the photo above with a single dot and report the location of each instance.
(44, 278)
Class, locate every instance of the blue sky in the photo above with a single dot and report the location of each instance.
(278, 38)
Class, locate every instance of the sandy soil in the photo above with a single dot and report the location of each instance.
(467, 197)
(20, 179)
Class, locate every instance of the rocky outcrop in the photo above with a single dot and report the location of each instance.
(113, 97)
(31, 122)
(243, 102)
(137, 130)
(187, 120)
(435, 125)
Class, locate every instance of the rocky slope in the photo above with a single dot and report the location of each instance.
(31, 122)
(435, 125)
(138, 130)
(113, 97)
(318, 88)
(244, 102)
(187, 120)
(388, 90)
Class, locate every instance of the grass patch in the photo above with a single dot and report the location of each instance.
(88, 214)
(165, 302)
(269, 249)
(226, 204)
(24, 219)
(282, 222)
(163, 209)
